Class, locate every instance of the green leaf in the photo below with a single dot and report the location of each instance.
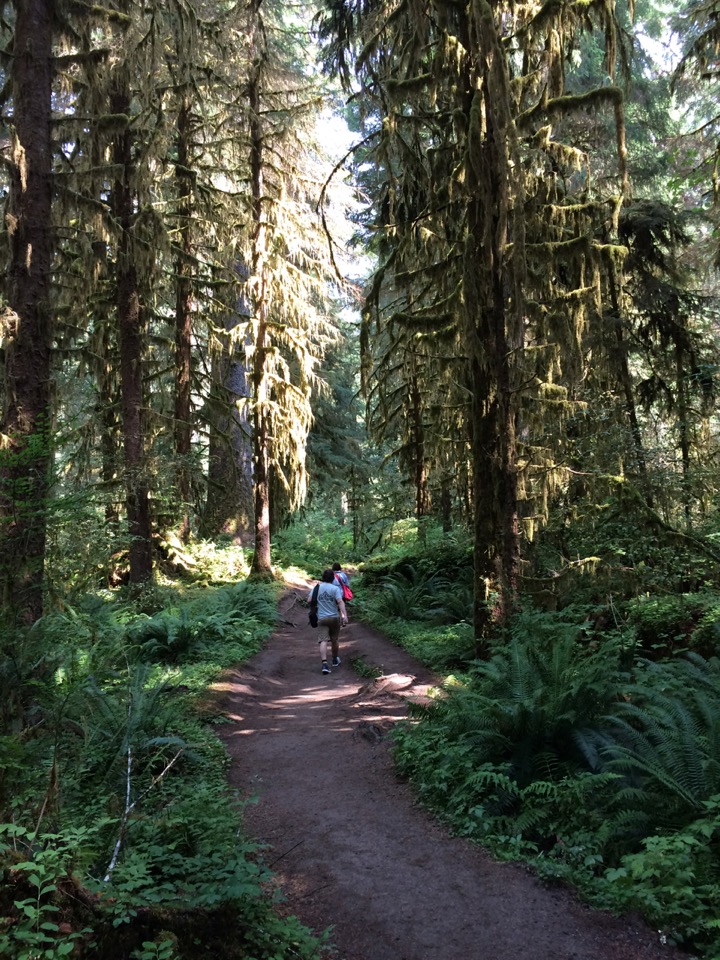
(27, 908)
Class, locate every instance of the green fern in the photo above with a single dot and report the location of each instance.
(418, 592)
(239, 612)
(506, 750)
(128, 718)
(406, 596)
(665, 738)
(535, 699)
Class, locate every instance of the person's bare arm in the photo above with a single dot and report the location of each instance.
(343, 611)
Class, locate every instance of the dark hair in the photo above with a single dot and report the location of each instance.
(336, 566)
(328, 576)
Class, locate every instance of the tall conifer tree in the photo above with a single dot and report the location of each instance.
(27, 321)
(490, 215)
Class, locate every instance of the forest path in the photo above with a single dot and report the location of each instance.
(350, 847)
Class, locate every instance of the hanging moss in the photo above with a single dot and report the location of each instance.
(112, 123)
(570, 103)
(552, 391)
(614, 252)
(562, 248)
(489, 229)
(109, 15)
(410, 85)
(590, 207)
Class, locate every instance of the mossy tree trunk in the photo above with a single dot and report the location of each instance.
(493, 283)
(490, 235)
(26, 456)
(131, 341)
(229, 506)
(261, 564)
(183, 321)
(422, 496)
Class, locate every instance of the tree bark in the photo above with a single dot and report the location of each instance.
(183, 325)
(109, 445)
(131, 351)
(26, 458)
(229, 507)
(261, 565)
(683, 408)
(445, 503)
(623, 370)
(422, 497)
(492, 331)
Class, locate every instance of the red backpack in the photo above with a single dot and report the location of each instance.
(347, 592)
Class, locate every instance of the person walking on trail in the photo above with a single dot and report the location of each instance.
(343, 581)
(341, 575)
(331, 613)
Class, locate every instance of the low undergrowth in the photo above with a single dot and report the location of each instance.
(313, 542)
(422, 601)
(588, 745)
(605, 779)
(119, 837)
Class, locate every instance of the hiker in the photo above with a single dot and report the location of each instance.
(343, 581)
(340, 575)
(331, 612)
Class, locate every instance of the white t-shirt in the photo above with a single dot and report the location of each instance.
(328, 595)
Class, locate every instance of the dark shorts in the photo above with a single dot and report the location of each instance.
(333, 627)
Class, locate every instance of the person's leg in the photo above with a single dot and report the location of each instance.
(325, 624)
(334, 635)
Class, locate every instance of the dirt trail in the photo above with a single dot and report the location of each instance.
(350, 847)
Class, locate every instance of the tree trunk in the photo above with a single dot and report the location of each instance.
(131, 352)
(492, 330)
(623, 370)
(483, 484)
(105, 374)
(354, 506)
(493, 444)
(683, 408)
(229, 505)
(183, 325)
(261, 565)
(422, 497)
(109, 447)
(26, 422)
(445, 503)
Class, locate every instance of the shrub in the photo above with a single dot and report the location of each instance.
(674, 881)
(527, 712)
(314, 542)
(669, 624)
(121, 783)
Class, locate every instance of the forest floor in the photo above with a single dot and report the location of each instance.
(349, 845)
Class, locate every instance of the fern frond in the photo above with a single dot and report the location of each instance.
(666, 737)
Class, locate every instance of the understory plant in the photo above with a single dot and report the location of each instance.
(314, 541)
(675, 622)
(421, 598)
(607, 779)
(525, 713)
(673, 880)
(120, 838)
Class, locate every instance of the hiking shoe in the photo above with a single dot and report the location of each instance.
(325, 668)
(336, 661)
